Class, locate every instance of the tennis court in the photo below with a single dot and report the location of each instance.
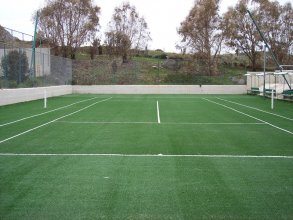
(147, 157)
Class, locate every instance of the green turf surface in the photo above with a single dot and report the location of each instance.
(138, 184)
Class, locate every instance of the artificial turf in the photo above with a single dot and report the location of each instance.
(139, 181)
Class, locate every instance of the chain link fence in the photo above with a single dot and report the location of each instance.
(20, 69)
(16, 70)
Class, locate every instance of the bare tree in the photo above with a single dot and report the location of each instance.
(287, 31)
(118, 43)
(127, 30)
(201, 33)
(274, 20)
(277, 25)
(240, 33)
(68, 23)
(94, 48)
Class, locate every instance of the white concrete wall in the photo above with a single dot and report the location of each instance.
(161, 89)
(10, 96)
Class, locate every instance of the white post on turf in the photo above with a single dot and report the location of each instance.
(272, 102)
(264, 69)
(158, 113)
(45, 98)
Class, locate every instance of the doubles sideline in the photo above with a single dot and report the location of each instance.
(235, 110)
(43, 113)
(247, 106)
(42, 125)
(152, 155)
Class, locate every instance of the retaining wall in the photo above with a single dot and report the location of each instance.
(161, 89)
(10, 96)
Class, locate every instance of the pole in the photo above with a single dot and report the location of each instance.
(33, 60)
(264, 70)
(272, 102)
(45, 98)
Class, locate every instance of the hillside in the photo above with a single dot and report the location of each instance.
(155, 68)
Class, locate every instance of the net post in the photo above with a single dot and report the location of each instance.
(264, 70)
(272, 102)
(45, 98)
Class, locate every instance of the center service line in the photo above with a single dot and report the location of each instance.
(158, 112)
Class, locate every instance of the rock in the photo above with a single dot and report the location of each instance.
(171, 64)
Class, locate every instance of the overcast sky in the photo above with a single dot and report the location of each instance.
(163, 16)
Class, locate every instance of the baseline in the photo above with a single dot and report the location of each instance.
(32, 129)
(166, 123)
(155, 155)
(282, 129)
(56, 109)
(247, 106)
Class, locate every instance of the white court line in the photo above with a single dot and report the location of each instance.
(32, 129)
(155, 97)
(12, 122)
(107, 122)
(158, 112)
(153, 155)
(282, 129)
(167, 123)
(213, 123)
(247, 106)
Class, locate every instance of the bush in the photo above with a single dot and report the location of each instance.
(7, 84)
(31, 82)
(15, 66)
(161, 56)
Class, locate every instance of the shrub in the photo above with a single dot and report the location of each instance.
(161, 56)
(15, 66)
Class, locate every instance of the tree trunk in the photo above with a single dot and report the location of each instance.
(72, 56)
(125, 58)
